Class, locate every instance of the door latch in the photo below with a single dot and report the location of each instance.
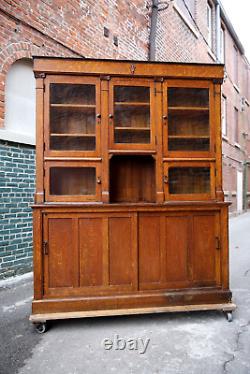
(165, 179)
(217, 243)
(45, 248)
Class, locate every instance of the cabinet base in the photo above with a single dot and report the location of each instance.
(228, 307)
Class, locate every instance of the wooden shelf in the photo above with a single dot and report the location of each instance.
(73, 106)
(188, 136)
(188, 109)
(75, 135)
(132, 128)
(133, 103)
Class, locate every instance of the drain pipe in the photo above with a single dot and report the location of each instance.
(152, 34)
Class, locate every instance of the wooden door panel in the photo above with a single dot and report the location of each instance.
(149, 250)
(177, 245)
(120, 251)
(91, 251)
(203, 251)
(62, 258)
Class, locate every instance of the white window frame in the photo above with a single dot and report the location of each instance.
(224, 115)
(209, 24)
(222, 44)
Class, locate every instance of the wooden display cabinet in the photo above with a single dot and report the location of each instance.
(129, 213)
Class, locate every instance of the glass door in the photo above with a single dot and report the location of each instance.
(73, 116)
(131, 118)
(186, 180)
(72, 181)
(188, 128)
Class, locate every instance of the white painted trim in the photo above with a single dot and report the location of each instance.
(186, 21)
(16, 279)
(17, 137)
(236, 87)
(237, 145)
(211, 54)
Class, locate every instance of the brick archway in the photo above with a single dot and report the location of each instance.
(11, 54)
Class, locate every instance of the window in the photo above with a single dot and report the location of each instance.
(222, 45)
(236, 125)
(20, 98)
(236, 75)
(224, 115)
(209, 25)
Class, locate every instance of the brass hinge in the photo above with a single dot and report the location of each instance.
(217, 243)
(45, 248)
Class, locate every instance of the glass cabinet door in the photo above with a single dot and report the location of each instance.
(188, 128)
(189, 181)
(131, 116)
(73, 116)
(72, 181)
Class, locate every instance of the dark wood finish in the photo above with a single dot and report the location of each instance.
(129, 213)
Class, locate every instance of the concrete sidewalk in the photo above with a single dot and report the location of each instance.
(192, 343)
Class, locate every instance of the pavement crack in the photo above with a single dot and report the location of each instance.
(239, 333)
(231, 359)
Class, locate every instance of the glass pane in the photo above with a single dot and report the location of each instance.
(188, 97)
(72, 181)
(61, 93)
(188, 119)
(72, 117)
(189, 180)
(131, 94)
(132, 114)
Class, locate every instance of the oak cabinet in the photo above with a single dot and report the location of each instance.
(129, 213)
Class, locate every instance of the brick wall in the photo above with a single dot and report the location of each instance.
(71, 28)
(17, 184)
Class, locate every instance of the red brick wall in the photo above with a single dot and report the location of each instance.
(71, 28)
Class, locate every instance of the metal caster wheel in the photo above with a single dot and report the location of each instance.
(229, 316)
(41, 327)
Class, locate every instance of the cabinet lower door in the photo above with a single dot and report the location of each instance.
(179, 251)
(88, 254)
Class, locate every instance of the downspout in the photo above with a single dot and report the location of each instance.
(246, 175)
(152, 33)
(218, 27)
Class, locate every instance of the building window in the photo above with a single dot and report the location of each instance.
(236, 75)
(236, 125)
(222, 45)
(209, 25)
(224, 115)
(20, 98)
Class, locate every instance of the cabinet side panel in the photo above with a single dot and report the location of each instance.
(149, 249)
(177, 242)
(120, 251)
(204, 249)
(62, 265)
(91, 251)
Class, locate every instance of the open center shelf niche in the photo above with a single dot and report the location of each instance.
(129, 213)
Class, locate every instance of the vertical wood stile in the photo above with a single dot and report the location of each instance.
(39, 195)
(105, 139)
